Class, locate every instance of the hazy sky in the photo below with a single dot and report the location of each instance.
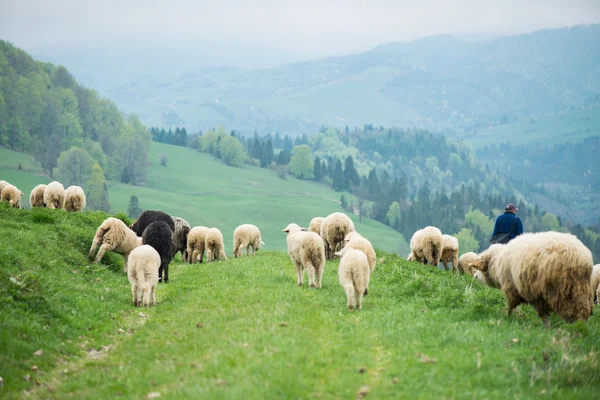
(310, 27)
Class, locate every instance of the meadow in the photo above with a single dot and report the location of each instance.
(242, 328)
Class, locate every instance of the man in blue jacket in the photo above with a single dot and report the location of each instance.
(508, 226)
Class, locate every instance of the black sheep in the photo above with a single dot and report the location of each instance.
(148, 217)
(159, 235)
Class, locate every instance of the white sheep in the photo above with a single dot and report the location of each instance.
(196, 242)
(307, 252)
(334, 229)
(596, 283)
(464, 262)
(244, 237)
(142, 271)
(114, 235)
(315, 225)
(11, 194)
(449, 252)
(74, 199)
(354, 274)
(215, 247)
(356, 241)
(54, 195)
(36, 198)
(426, 246)
(549, 270)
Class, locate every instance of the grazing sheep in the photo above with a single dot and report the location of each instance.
(245, 236)
(180, 237)
(354, 275)
(334, 229)
(54, 195)
(195, 243)
(426, 246)
(11, 194)
(2, 184)
(214, 245)
(307, 252)
(356, 241)
(315, 225)
(449, 252)
(160, 236)
(142, 271)
(464, 263)
(596, 283)
(114, 235)
(36, 198)
(148, 217)
(74, 199)
(549, 270)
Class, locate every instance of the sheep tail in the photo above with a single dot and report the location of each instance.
(435, 253)
(263, 243)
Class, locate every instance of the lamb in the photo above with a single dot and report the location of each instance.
(307, 252)
(464, 263)
(356, 241)
(334, 229)
(196, 243)
(36, 198)
(180, 237)
(148, 217)
(596, 283)
(549, 270)
(426, 246)
(214, 245)
(54, 195)
(142, 271)
(449, 252)
(245, 236)
(114, 235)
(74, 199)
(354, 275)
(11, 194)
(315, 225)
(160, 236)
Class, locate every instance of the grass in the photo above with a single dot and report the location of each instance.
(243, 329)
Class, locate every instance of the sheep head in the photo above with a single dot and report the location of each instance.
(293, 228)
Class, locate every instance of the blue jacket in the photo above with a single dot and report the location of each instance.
(504, 223)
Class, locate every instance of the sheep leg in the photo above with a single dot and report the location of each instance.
(247, 250)
(222, 255)
(446, 268)
(201, 252)
(236, 250)
(103, 249)
(125, 258)
(166, 271)
(194, 256)
(358, 298)
(134, 292)
(184, 255)
(319, 273)
(95, 244)
(512, 300)
(209, 255)
(160, 273)
(311, 274)
(253, 250)
(349, 288)
(153, 295)
(146, 294)
(299, 273)
(543, 311)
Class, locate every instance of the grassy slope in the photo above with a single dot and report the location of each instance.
(572, 126)
(205, 192)
(243, 329)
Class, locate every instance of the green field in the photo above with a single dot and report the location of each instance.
(206, 192)
(243, 329)
(571, 126)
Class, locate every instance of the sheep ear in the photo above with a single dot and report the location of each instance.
(303, 229)
(478, 264)
(339, 254)
(286, 230)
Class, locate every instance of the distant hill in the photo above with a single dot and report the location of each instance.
(438, 83)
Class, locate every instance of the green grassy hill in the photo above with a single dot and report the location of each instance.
(243, 329)
(205, 192)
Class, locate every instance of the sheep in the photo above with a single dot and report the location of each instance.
(182, 229)
(354, 273)
(196, 243)
(214, 245)
(426, 246)
(464, 262)
(334, 229)
(315, 225)
(142, 271)
(549, 270)
(2, 184)
(74, 199)
(245, 236)
(596, 283)
(54, 195)
(159, 235)
(356, 241)
(449, 252)
(114, 235)
(11, 194)
(148, 217)
(307, 252)
(36, 198)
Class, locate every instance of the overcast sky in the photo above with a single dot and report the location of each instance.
(310, 27)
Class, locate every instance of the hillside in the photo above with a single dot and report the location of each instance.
(437, 83)
(205, 192)
(236, 329)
